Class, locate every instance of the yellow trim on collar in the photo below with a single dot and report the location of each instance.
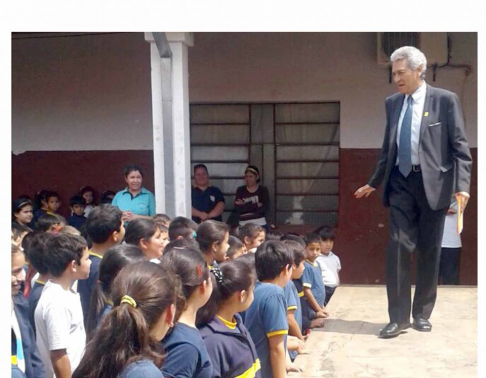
(230, 325)
(312, 263)
(40, 282)
(276, 333)
(251, 372)
(91, 253)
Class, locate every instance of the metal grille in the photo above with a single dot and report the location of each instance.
(393, 41)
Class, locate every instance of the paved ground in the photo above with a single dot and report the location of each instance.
(348, 345)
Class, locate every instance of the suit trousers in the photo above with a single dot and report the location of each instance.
(414, 227)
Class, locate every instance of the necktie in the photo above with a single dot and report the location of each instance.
(405, 148)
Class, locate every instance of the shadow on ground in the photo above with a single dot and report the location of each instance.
(358, 327)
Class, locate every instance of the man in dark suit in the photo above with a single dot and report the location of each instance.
(424, 161)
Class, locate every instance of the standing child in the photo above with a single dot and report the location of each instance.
(87, 192)
(58, 317)
(266, 318)
(328, 261)
(22, 212)
(212, 237)
(125, 345)
(40, 204)
(182, 228)
(77, 219)
(105, 228)
(314, 289)
(252, 235)
(146, 235)
(113, 261)
(236, 248)
(227, 340)
(187, 355)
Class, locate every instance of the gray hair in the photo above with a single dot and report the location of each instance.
(415, 58)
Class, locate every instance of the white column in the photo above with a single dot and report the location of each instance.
(179, 43)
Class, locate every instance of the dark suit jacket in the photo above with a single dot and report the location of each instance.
(33, 363)
(444, 155)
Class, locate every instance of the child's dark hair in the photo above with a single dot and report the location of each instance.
(326, 233)
(235, 245)
(181, 226)
(107, 196)
(140, 228)
(250, 230)
(179, 244)
(113, 261)
(124, 334)
(18, 229)
(19, 204)
(46, 221)
(39, 197)
(312, 238)
(274, 234)
(270, 258)
(192, 269)
(87, 189)
(102, 221)
(249, 259)
(132, 168)
(162, 218)
(236, 275)
(51, 194)
(63, 249)
(294, 237)
(297, 249)
(38, 252)
(197, 166)
(210, 232)
(77, 200)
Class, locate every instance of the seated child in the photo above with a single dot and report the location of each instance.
(329, 262)
(77, 219)
(252, 235)
(147, 235)
(266, 318)
(314, 289)
(187, 355)
(236, 248)
(212, 237)
(87, 193)
(104, 227)
(182, 228)
(227, 340)
(58, 317)
(125, 346)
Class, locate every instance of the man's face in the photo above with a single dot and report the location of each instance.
(406, 79)
(201, 177)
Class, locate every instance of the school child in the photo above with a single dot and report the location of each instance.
(38, 256)
(182, 228)
(162, 219)
(22, 212)
(88, 193)
(212, 237)
(70, 230)
(48, 223)
(25, 354)
(58, 317)
(274, 234)
(77, 205)
(252, 235)
(329, 262)
(19, 231)
(236, 248)
(105, 229)
(314, 289)
(126, 344)
(146, 235)
(40, 205)
(187, 355)
(101, 303)
(229, 344)
(266, 318)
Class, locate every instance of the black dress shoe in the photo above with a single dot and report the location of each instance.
(422, 325)
(393, 330)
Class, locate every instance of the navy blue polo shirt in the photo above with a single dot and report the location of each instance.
(206, 201)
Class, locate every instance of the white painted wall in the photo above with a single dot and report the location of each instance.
(94, 93)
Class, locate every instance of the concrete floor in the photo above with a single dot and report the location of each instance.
(348, 345)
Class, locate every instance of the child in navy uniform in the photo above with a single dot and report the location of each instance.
(212, 237)
(266, 318)
(125, 346)
(187, 355)
(146, 235)
(314, 289)
(252, 235)
(77, 219)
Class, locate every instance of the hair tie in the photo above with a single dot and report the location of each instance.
(199, 270)
(218, 274)
(128, 299)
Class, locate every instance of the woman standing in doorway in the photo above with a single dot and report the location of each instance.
(252, 200)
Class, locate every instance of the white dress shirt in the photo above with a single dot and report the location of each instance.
(418, 110)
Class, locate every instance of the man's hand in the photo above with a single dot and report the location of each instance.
(364, 191)
(464, 198)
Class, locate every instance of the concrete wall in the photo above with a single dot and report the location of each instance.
(81, 108)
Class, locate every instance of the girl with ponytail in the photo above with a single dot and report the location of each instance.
(229, 344)
(127, 343)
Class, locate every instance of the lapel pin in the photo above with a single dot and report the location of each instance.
(426, 114)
